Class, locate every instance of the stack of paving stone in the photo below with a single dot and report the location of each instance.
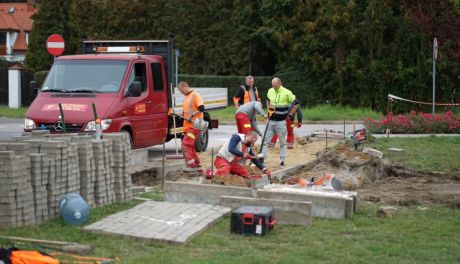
(16, 195)
(47, 166)
(57, 179)
(39, 171)
(109, 163)
(73, 171)
(121, 150)
(103, 173)
(87, 168)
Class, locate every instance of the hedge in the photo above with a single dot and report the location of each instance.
(291, 80)
(39, 77)
(232, 83)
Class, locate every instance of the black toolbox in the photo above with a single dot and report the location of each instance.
(252, 220)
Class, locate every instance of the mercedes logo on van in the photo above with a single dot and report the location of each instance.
(58, 126)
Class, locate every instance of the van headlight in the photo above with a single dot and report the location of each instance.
(105, 123)
(29, 124)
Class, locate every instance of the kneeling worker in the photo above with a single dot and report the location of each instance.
(233, 155)
(246, 117)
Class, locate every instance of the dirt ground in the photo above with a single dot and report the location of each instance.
(304, 151)
(380, 180)
(301, 154)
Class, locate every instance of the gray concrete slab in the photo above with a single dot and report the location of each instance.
(160, 221)
(324, 204)
(285, 211)
(202, 193)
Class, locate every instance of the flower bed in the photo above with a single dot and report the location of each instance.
(416, 123)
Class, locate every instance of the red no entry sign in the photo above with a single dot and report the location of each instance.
(55, 44)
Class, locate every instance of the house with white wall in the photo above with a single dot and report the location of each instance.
(15, 26)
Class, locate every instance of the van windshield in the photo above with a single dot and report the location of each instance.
(95, 76)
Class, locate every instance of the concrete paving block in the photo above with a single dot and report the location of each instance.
(279, 174)
(285, 211)
(202, 193)
(326, 205)
(257, 183)
(373, 152)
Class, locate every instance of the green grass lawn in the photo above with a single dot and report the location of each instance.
(5, 111)
(317, 113)
(425, 153)
(410, 236)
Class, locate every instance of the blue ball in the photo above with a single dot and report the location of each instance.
(73, 209)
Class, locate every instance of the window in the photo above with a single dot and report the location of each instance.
(157, 77)
(139, 74)
(93, 75)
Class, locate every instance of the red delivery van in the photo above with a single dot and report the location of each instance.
(129, 83)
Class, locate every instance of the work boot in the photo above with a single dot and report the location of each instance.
(282, 165)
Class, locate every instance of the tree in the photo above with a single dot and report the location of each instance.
(53, 16)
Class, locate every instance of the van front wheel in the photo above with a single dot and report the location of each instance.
(202, 143)
(130, 138)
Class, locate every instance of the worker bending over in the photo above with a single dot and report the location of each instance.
(246, 117)
(193, 115)
(283, 104)
(233, 155)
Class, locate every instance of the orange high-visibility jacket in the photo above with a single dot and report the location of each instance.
(191, 103)
(243, 96)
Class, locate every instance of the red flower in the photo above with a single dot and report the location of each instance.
(426, 115)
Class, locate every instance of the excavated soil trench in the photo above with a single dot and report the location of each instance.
(380, 180)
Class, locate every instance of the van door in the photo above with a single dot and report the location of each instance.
(140, 108)
(159, 104)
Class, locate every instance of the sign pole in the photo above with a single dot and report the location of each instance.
(435, 56)
(177, 67)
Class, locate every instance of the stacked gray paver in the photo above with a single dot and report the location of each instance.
(16, 196)
(57, 179)
(39, 174)
(37, 170)
(87, 168)
(102, 193)
(122, 180)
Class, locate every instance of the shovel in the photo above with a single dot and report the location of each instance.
(270, 112)
(68, 247)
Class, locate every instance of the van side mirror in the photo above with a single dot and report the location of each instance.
(134, 90)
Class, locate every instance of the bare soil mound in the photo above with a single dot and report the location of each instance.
(380, 180)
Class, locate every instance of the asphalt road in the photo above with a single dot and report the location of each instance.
(10, 127)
